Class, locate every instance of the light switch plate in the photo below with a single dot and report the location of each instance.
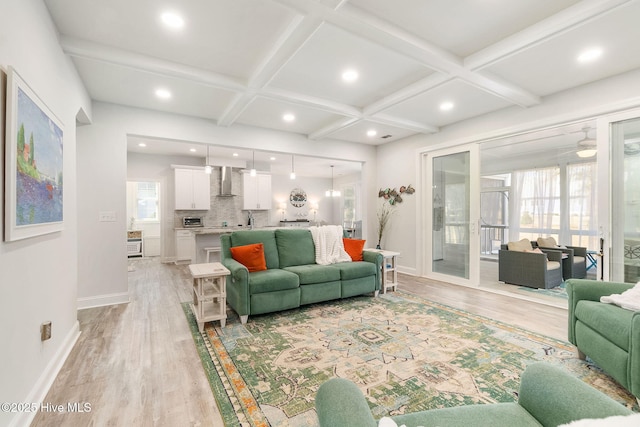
(107, 216)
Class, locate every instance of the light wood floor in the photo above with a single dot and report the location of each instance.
(137, 366)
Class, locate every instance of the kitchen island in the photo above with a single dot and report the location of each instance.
(191, 241)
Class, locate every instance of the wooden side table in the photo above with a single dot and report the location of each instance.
(209, 293)
(389, 267)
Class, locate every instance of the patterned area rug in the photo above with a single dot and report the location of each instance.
(406, 354)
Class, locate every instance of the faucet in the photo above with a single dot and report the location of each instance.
(250, 222)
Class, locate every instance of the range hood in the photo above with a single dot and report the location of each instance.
(225, 181)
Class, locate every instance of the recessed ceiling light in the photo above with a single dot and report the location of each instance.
(142, 144)
(235, 154)
(288, 117)
(446, 106)
(163, 93)
(272, 158)
(172, 20)
(590, 55)
(372, 132)
(350, 76)
(193, 150)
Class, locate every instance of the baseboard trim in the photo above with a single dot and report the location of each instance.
(103, 300)
(41, 388)
(407, 270)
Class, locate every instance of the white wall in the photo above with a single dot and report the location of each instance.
(314, 187)
(102, 175)
(398, 161)
(39, 275)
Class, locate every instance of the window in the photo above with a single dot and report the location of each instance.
(536, 203)
(143, 201)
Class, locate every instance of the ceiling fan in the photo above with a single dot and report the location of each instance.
(587, 147)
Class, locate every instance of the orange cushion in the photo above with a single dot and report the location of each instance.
(251, 256)
(354, 248)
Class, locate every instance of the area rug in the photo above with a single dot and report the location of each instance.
(406, 354)
(559, 291)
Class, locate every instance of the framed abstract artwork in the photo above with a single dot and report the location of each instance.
(33, 164)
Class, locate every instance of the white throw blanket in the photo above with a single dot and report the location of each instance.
(629, 299)
(328, 242)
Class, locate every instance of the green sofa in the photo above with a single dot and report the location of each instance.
(292, 277)
(548, 397)
(607, 334)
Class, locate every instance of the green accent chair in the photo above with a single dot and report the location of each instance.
(609, 335)
(548, 397)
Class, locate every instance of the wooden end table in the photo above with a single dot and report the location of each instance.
(389, 266)
(209, 293)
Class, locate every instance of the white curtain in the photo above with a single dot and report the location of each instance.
(583, 218)
(536, 203)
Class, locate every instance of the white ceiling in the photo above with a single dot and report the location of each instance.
(250, 61)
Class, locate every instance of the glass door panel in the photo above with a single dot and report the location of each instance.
(453, 235)
(625, 208)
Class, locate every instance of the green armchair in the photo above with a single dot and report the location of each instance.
(548, 396)
(607, 334)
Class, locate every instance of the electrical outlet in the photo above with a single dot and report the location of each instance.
(45, 331)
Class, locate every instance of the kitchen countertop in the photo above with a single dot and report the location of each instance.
(219, 230)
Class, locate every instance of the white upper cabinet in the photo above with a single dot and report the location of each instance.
(193, 190)
(257, 192)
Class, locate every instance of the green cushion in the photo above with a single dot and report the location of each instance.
(610, 321)
(272, 280)
(494, 415)
(314, 273)
(266, 237)
(295, 247)
(354, 270)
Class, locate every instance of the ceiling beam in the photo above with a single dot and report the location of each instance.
(333, 128)
(558, 24)
(98, 52)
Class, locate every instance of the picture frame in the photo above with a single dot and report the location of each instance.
(34, 164)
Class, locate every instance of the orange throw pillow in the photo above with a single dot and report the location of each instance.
(354, 248)
(251, 256)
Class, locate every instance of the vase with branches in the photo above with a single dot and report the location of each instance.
(384, 215)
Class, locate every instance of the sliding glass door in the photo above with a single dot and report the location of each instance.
(452, 239)
(624, 257)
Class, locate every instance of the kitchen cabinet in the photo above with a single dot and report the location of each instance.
(257, 192)
(185, 246)
(193, 189)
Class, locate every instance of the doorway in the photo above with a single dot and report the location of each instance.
(143, 213)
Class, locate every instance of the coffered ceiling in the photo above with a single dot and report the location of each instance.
(252, 61)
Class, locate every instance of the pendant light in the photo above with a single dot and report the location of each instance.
(252, 172)
(208, 168)
(332, 192)
(293, 173)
